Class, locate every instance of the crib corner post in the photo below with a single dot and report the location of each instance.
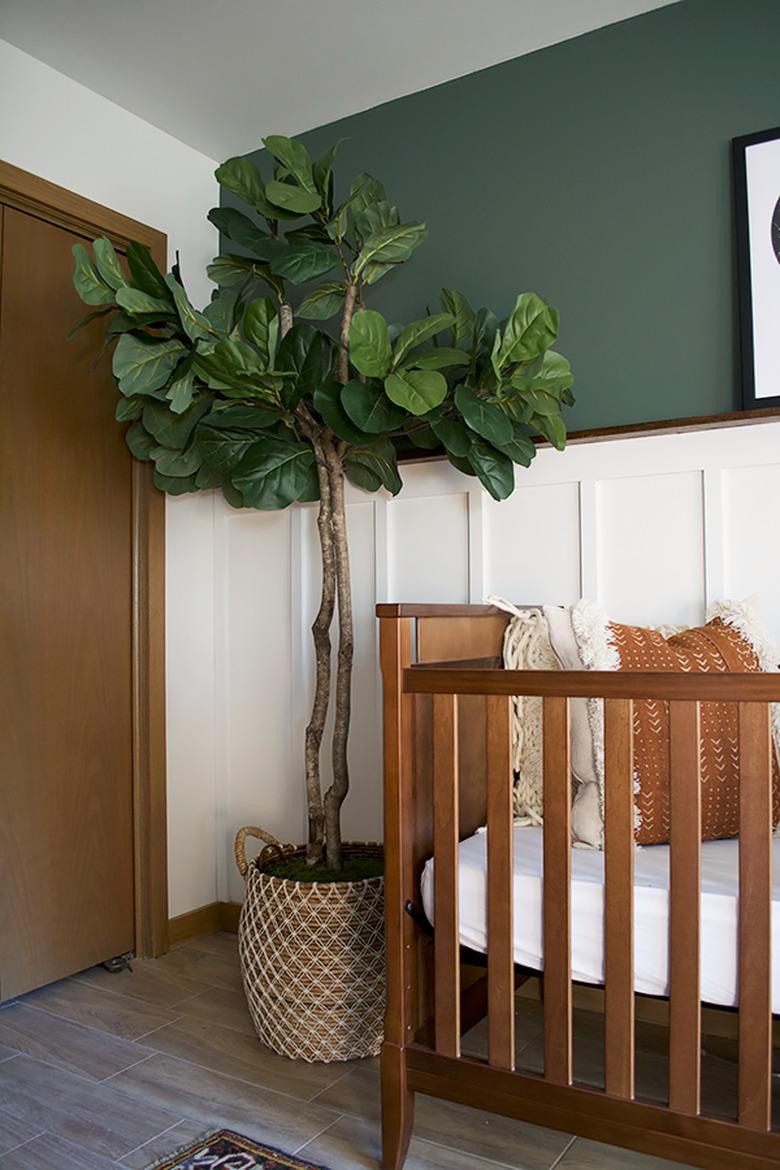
(397, 1098)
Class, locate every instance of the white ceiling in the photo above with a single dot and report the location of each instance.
(219, 74)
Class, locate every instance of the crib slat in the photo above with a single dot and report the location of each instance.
(557, 892)
(500, 842)
(755, 910)
(619, 898)
(684, 909)
(445, 853)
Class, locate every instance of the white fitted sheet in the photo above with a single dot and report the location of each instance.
(719, 900)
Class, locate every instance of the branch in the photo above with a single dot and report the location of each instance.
(346, 320)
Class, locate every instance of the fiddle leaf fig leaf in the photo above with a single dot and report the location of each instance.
(108, 263)
(483, 417)
(322, 302)
(181, 390)
(439, 358)
(145, 273)
(176, 485)
(173, 430)
(143, 366)
(553, 374)
(369, 343)
(552, 428)
(273, 473)
(370, 409)
(417, 391)
(195, 324)
(304, 261)
(87, 281)
(242, 178)
(520, 448)
(494, 469)
(419, 331)
(292, 198)
(294, 156)
(328, 404)
(323, 172)
(261, 327)
(380, 459)
(455, 303)
(454, 435)
(530, 330)
(307, 354)
(177, 464)
(133, 301)
(140, 442)
(393, 245)
(231, 222)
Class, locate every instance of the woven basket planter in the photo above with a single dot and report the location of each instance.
(312, 957)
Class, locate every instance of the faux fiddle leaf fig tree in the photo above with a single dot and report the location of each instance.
(276, 394)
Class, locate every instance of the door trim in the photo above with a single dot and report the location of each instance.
(47, 201)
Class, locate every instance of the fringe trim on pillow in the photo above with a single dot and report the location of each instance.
(743, 616)
(598, 652)
(526, 647)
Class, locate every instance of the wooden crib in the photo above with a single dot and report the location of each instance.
(447, 771)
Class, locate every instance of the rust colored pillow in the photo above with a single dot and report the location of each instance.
(713, 647)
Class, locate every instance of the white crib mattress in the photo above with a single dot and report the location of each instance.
(719, 872)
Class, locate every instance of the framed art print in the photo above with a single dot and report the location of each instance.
(757, 206)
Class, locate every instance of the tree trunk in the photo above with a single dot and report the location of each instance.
(334, 797)
(322, 647)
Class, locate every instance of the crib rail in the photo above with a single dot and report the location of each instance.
(686, 1135)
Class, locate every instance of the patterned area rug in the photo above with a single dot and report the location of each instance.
(230, 1151)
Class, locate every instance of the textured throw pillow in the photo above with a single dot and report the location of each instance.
(731, 641)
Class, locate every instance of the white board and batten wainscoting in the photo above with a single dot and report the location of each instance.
(653, 527)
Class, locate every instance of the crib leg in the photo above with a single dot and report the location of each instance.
(397, 1108)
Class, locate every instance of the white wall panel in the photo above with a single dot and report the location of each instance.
(533, 545)
(751, 537)
(651, 548)
(428, 543)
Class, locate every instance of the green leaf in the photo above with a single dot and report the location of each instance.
(391, 246)
(222, 448)
(484, 418)
(141, 367)
(245, 416)
(304, 261)
(552, 428)
(540, 402)
(176, 464)
(135, 301)
(220, 311)
(454, 435)
(145, 273)
(425, 439)
(530, 330)
(323, 171)
(229, 270)
(553, 374)
(108, 263)
(195, 325)
(87, 282)
(273, 473)
(231, 222)
(322, 302)
(291, 198)
(128, 409)
(261, 327)
(328, 404)
(379, 458)
(439, 357)
(231, 364)
(364, 191)
(308, 355)
(173, 430)
(240, 176)
(375, 218)
(361, 476)
(369, 408)
(455, 303)
(494, 469)
(369, 343)
(180, 392)
(520, 448)
(176, 485)
(417, 391)
(294, 156)
(419, 331)
(88, 317)
(140, 442)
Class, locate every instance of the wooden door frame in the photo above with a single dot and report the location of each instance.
(47, 201)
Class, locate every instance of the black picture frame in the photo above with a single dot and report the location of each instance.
(754, 396)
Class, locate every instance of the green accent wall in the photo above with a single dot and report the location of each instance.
(597, 173)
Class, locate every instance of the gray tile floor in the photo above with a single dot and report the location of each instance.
(115, 1070)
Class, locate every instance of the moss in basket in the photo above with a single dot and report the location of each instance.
(354, 869)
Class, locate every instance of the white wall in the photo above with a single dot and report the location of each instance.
(63, 132)
(653, 528)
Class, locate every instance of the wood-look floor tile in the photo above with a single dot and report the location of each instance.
(188, 1090)
(219, 1006)
(147, 980)
(52, 1153)
(5, 1052)
(72, 1046)
(14, 1132)
(587, 1155)
(118, 1014)
(225, 1050)
(222, 943)
(97, 1116)
(216, 970)
(165, 1144)
(516, 1144)
(351, 1144)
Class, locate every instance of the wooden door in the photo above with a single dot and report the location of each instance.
(69, 815)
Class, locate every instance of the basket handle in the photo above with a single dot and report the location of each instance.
(240, 846)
